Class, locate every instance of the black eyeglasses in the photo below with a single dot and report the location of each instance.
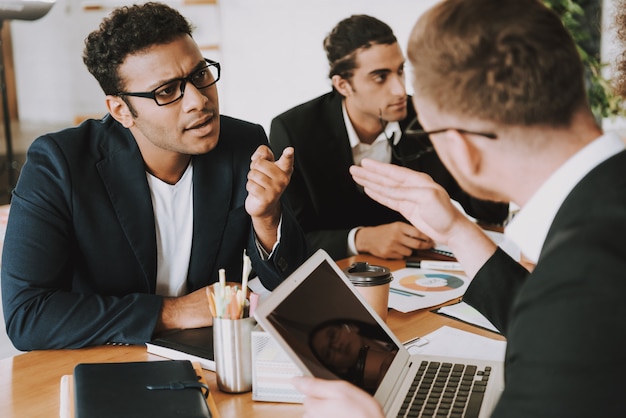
(425, 145)
(411, 131)
(423, 138)
(174, 90)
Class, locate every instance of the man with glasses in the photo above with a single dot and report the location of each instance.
(117, 226)
(365, 116)
(510, 68)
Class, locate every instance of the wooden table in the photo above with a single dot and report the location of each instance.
(30, 382)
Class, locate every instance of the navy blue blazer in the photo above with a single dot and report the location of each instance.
(326, 200)
(79, 261)
(565, 322)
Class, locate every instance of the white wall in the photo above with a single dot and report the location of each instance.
(271, 55)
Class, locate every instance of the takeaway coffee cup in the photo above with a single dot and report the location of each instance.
(372, 282)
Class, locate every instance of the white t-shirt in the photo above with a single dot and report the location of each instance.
(173, 218)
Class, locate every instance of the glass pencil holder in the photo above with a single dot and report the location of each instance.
(232, 344)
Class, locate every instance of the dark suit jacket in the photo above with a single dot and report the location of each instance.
(566, 322)
(79, 263)
(325, 198)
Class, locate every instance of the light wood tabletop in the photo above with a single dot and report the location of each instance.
(30, 382)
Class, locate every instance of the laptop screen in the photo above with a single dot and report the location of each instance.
(332, 332)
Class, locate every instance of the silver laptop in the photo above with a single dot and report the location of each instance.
(330, 332)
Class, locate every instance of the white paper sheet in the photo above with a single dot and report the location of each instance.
(466, 313)
(448, 341)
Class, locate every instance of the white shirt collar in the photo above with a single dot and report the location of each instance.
(530, 226)
(390, 130)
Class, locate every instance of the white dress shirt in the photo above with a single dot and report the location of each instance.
(530, 226)
(378, 150)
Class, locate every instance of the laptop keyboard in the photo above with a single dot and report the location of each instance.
(446, 390)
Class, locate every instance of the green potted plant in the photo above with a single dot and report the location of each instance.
(585, 29)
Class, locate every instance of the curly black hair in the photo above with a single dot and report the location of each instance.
(350, 35)
(129, 30)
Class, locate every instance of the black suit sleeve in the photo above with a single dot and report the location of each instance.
(564, 322)
(43, 305)
(494, 288)
(299, 197)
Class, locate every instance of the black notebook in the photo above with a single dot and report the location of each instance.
(154, 389)
(194, 344)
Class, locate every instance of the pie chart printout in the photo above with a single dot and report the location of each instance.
(415, 288)
(431, 282)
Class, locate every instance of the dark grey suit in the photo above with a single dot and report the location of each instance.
(79, 263)
(566, 322)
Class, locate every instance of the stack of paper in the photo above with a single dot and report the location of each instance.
(448, 341)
